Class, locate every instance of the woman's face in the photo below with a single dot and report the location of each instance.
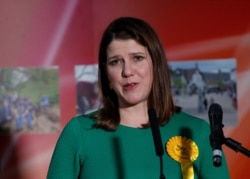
(130, 71)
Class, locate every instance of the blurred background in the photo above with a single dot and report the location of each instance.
(66, 33)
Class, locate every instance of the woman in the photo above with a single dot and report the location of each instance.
(116, 142)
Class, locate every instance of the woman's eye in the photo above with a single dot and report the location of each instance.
(139, 57)
(114, 62)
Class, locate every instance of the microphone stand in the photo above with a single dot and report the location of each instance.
(162, 176)
(234, 145)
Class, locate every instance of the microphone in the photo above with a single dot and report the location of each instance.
(157, 138)
(155, 132)
(216, 137)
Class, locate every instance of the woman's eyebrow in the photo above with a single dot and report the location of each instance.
(113, 57)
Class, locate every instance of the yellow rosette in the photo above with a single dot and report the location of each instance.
(184, 151)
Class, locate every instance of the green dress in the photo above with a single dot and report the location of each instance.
(128, 153)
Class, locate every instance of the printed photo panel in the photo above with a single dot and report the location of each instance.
(29, 100)
(198, 84)
(87, 89)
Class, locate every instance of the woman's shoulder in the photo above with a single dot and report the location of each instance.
(85, 121)
(186, 118)
(190, 126)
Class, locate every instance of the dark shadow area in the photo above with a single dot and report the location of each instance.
(8, 157)
(186, 132)
(118, 157)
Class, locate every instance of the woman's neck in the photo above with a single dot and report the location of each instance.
(134, 116)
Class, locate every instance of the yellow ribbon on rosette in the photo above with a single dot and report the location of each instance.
(185, 151)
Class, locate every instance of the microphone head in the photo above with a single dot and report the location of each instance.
(216, 136)
(152, 116)
(155, 131)
(215, 112)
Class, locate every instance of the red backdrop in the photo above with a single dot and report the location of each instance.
(67, 32)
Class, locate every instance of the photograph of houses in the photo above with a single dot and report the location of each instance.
(198, 84)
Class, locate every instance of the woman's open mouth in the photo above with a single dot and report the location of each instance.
(129, 86)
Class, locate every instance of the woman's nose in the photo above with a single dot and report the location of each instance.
(127, 69)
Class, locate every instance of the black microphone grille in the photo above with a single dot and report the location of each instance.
(215, 109)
